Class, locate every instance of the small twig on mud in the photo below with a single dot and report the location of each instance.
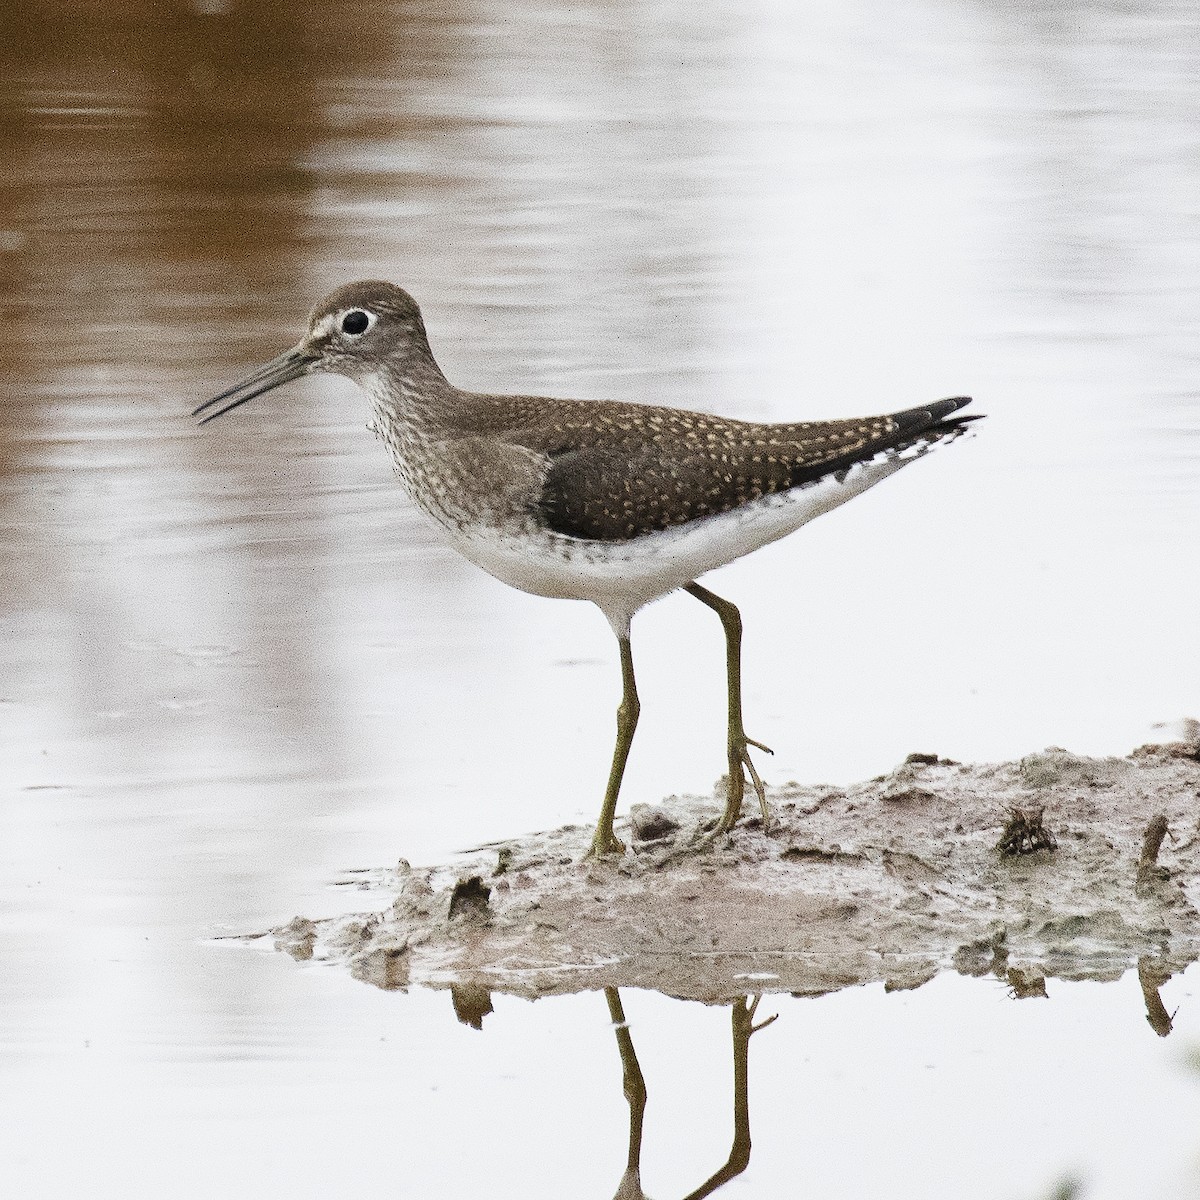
(1152, 841)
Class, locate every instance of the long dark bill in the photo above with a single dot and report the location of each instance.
(291, 364)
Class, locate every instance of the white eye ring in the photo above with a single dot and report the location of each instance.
(354, 322)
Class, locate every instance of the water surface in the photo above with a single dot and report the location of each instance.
(236, 663)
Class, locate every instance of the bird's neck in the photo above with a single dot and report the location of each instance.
(412, 399)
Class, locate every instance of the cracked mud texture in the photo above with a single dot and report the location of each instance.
(892, 880)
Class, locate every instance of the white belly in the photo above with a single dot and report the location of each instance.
(621, 577)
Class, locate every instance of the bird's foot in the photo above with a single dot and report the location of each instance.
(759, 790)
(604, 843)
(739, 758)
(743, 1017)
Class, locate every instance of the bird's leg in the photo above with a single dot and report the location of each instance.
(739, 744)
(605, 841)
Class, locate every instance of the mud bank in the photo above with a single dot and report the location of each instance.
(936, 866)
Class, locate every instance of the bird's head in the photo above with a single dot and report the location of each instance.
(354, 331)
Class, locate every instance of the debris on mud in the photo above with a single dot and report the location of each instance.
(1024, 833)
(936, 866)
(469, 898)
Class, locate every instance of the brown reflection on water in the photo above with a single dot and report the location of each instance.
(158, 177)
(157, 147)
(154, 158)
(154, 168)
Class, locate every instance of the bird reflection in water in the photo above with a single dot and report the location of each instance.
(473, 1002)
(742, 1011)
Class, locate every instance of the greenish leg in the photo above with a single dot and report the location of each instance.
(635, 1093)
(605, 841)
(739, 744)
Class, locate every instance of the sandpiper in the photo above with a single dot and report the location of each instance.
(611, 502)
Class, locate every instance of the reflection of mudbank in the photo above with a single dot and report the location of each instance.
(892, 880)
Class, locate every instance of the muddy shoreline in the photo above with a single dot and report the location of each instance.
(896, 879)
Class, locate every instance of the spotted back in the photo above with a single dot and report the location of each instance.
(617, 471)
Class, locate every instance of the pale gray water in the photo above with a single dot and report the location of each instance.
(236, 664)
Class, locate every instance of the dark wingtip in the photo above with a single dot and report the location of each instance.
(913, 420)
(940, 409)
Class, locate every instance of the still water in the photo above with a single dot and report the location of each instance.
(236, 665)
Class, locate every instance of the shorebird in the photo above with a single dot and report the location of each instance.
(612, 502)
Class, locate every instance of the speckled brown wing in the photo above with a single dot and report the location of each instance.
(621, 471)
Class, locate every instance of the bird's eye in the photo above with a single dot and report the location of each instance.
(356, 322)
